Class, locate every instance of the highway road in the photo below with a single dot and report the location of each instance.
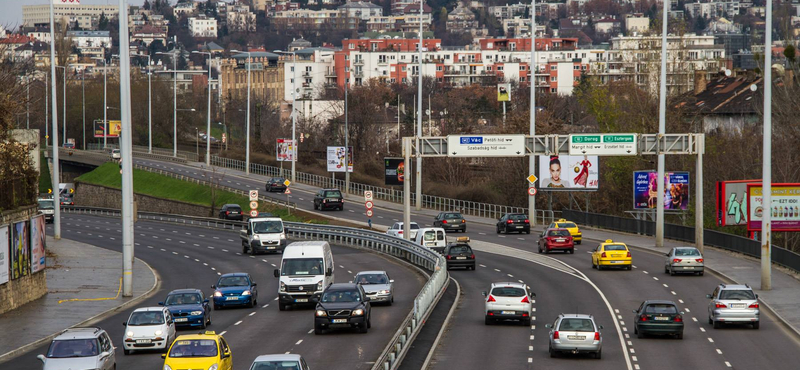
(469, 344)
(187, 256)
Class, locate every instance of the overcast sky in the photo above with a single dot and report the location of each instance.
(11, 10)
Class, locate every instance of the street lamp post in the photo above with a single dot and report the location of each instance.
(294, 115)
(83, 93)
(149, 105)
(247, 124)
(175, 100)
(418, 169)
(64, 105)
(532, 129)
(208, 114)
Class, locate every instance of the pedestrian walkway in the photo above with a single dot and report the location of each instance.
(78, 276)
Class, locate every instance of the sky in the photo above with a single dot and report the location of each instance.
(11, 10)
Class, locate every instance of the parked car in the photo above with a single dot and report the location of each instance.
(451, 221)
(377, 285)
(575, 333)
(508, 301)
(231, 212)
(556, 239)
(733, 304)
(343, 305)
(80, 348)
(658, 317)
(397, 230)
(286, 361)
(518, 222)
(684, 260)
(235, 289)
(189, 307)
(276, 184)
(329, 199)
(460, 254)
(148, 328)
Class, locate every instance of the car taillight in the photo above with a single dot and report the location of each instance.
(491, 299)
(463, 221)
(227, 212)
(526, 300)
(720, 305)
(444, 221)
(753, 305)
(643, 318)
(550, 239)
(400, 232)
(628, 255)
(603, 255)
(448, 256)
(676, 260)
(527, 221)
(699, 260)
(555, 335)
(472, 256)
(597, 335)
(678, 318)
(509, 222)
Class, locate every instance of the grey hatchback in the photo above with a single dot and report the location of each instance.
(575, 333)
(684, 260)
(733, 304)
(80, 348)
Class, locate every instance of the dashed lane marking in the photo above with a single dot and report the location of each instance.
(238, 322)
(298, 342)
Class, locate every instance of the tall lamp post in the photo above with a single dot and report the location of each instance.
(149, 104)
(247, 122)
(532, 129)
(64, 105)
(174, 55)
(208, 114)
(294, 106)
(418, 169)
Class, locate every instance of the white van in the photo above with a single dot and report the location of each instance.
(306, 270)
(432, 237)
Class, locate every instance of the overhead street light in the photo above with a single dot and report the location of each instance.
(294, 115)
(174, 55)
(208, 114)
(247, 120)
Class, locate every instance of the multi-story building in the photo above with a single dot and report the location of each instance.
(462, 20)
(399, 6)
(363, 10)
(239, 18)
(399, 23)
(307, 19)
(266, 76)
(636, 23)
(91, 43)
(202, 26)
(509, 11)
(313, 69)
(607, 26)
(186, 9)
(713, 9)
(516, 27)
(86, 16)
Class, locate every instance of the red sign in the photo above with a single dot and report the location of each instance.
(531, 191)
(369, 213)
(368, 204)
(287, 191)
(253, 213)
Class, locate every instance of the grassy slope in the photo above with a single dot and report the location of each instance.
(161, 186)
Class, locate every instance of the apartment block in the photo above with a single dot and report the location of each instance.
(202, 26)
(86, 16)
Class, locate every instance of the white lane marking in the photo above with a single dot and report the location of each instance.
(210, 247)
(150, 246)
(694, 319)
(673, 292)
(630, 343)
(632, 350)
(238, 322)
(498, 270)
(196, 260)
(224, 250)
(481, 233)
(655, 278)
(728, 364)
(665, 285)
(680, 300)
(530, 360)
(163, 250)
(531, 337)
(188, 233)
(634, 358)
(349, 272)
(509, 275)
(350, 210)
(136, 244)
(481, 265)
(185, 256)
(622, 322)
(521, 238)
(167, 239)
(646, 272)
(112, 238)
(264, 260)
(216, 237)
(213, 268)
(616, 310)
(205, 264)
(341, 267)
(634, 266)
(195, 244)
(530, 348)
(175, 253)
(501, 236)
(219, 274)
(265, 306)
(521, 282)
(719, 351)
(687, 309)
(627, 336)
(230, 240)
(310, 331)
(301, 198)
(202, 236)
(273, 265)
(380, 216)
(238, 254)
(710, 340)
(181, 241)
(636, 366)
(298, 342)
(223, 333)
(252, 313)
(703, 330)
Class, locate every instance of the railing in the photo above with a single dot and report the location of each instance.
(415, 254)
(138, 149)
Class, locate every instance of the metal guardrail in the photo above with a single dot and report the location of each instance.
(143, 151)
(425, 258)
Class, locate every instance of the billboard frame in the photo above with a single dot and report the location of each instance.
(749, 204)
(666, 174)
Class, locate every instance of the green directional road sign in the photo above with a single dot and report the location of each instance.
(603, 144)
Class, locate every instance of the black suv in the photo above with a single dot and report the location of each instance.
(343, 306)
(231, 212)
(514, 222)
(276, 184)
(451, 221)
(328, 199)
(460, 254)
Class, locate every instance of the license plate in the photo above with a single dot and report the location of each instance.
(181, 319)
(661, 318)
(231, 298)
(507, 312)
(519, 227)
(560, 240)
(738, 305)
(576, 337)
(687, 267)
(270, 247)
(461, 258)
(340, 321)
(301, 300)
(142, 341)
(616, 261)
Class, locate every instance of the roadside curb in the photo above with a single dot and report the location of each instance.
(445, 324)
(30, 346)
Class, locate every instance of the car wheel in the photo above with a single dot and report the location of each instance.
(598, 355)
(126, 352)
(710, 321)
(717, 325)
(756, 325)
(217, 308)
(666, 269)
(488, 320)
(671, 272)
(369, 323)
(204, 324)
(700, 273)
(527, 232)
(498, 229)
(579, 242)
(253, 251)
(553, 354)
(599, 267)
(252, 303)
(639, 335)
(318, 330)
(244, 248)
(629, 267)
(593, 265)
(363, 329)
(281, 307)
(679, 335)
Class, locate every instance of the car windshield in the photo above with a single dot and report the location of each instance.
(275, 365)
(264, 227)
(687, 252)
(429, 235)
(518, 217)
(660, 308)
(414, 226)
(227, 281)
(567, 225)
(341, 296)
(73, 348)
(302, 266)
(737, 294)
(194, 348)
(576, 325)
(372, 279)
(183, 298)
(144, 318)
(46, 204)
(277, 180)
(333, 194)
(615, 247)
(453, 215)
(558, 233)
(460, 249)
(508, 291)
(235, 209)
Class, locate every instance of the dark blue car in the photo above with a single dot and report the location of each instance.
(235, 289)
(188, 307)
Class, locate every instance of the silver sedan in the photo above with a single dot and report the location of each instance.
(684, 260)
(575, 333)
(377, 285)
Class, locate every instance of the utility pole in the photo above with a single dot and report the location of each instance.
(766, 187)
(398, 118)
(532, 130)
(28, 104)
(346, 147)
(83, 93)
(105, 102)
(418, 168)
(662, 124)
(125, 143)
(208, 113)
(56, 195)
(247, 124)
(46, 109)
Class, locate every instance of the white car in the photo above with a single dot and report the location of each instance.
(508, 301)
(397, 230)
(116, 154)
(286, 361)
(148, 328)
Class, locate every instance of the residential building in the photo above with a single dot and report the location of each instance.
(636, 23)
(462, 20)
(299, 44)
(307, 19)
(399, 23)
(186, 9)
(148, 34)
(501, 12)
(516, 27)
(363, 10)
(266, 76)
(40, 34)
(724, 103)
(712, 9)
(314, 70)
(92, 44)
(722, 26)
(86, 16)
(202, 26)
(399, 6)
(260, 5)
(607, 26)
(239, 18)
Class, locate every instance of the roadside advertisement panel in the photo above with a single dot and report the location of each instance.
(286, 150)
(731, 202)
(5, 255)
(38, 243)
(568, 172)
(676, 190)
(20, 250)
(394, 169)
(114, 127)
(785, 207)
(336, 159)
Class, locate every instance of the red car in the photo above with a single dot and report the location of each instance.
(556, 239)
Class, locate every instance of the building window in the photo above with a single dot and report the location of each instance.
(553, 90)
(499, 68)
(576, 67)
(308, 80)
(308, 68)
(290, 69)
(554, 79)
(439, 68)
(554, 67)
(521, 68)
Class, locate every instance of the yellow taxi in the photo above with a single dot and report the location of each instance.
(611, 254)
(569, 225)
(199, 351)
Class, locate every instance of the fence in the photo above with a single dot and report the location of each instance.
(735, 243)
(418, 255)
(18, 192)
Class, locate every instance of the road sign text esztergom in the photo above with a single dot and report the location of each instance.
(485, 145)
(603, 144)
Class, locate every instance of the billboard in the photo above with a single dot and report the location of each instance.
(568, 172)
(394, 171)
(5, 255)
(676, 190)
(20, 250)
(285, 150)
(504, 92)
(38, 243)
(114, 127)
(785, 207)
(336, 159)
(731, 202)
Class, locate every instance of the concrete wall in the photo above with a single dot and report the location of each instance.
(91, 195)
(18, 292)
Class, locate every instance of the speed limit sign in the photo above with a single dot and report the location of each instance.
(368, 204)
(531, 191)
(369, 213)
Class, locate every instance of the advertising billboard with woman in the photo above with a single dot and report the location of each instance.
(568, 172)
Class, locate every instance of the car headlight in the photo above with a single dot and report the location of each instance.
(166, 367)
(195, 313)
(129, 334)
(256, 237)
(358, 312)
(158, 332)
(321, 313)
(385, 291)
(319, 285)
(217, 294)
(283, 235)
(246, 292)
(283, 287)
(213, 367)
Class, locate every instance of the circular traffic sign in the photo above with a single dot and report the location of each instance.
(368, 204)
(253, 213)
(531, 191)
(253, 205)
(369, 213)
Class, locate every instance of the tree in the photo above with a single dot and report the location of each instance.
(146, 5)
(790, 52)
(102, 23)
